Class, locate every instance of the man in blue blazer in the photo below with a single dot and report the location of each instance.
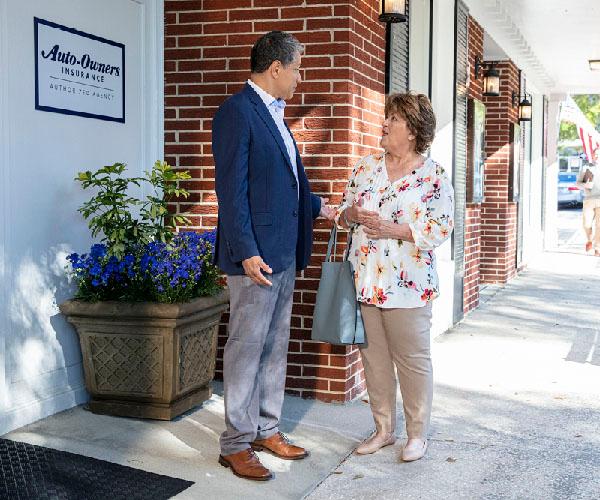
(264, 235)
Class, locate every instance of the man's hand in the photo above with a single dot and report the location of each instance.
(326, 210)
(253, 267)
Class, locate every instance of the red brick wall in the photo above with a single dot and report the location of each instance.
(336, 118)
(498, 214)
(473, 210)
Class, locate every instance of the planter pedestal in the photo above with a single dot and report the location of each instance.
(147, 360)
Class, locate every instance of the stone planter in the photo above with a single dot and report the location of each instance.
(147, 360)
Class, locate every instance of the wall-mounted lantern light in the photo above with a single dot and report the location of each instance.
(525, 107)
(392, 11)
(491, 77)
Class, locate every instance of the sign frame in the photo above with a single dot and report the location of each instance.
(41, 107)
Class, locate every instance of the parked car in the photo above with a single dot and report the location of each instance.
(568, 192)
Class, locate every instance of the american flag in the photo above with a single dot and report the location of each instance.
(590, 138)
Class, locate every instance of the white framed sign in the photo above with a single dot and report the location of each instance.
(77, 73)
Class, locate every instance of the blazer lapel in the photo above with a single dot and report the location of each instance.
(263, 112)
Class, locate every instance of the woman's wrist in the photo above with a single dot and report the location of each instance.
(402, 231)
(345, 219)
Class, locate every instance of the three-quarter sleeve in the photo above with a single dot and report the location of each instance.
(432, 220)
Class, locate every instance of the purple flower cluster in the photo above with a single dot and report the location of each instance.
(163, 272)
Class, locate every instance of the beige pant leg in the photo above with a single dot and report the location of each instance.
(379, 370)
(408, 335)
(597, 225)
(588, 218)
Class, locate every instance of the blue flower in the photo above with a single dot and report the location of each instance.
(178, 271)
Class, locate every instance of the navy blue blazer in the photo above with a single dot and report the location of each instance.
(260, 212)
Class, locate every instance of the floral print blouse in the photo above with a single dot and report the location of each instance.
(392, 273)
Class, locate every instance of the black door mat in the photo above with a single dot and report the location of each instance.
(35, 472)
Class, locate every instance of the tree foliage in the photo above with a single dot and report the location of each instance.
(590, 106)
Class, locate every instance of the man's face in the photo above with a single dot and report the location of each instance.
(288, 78)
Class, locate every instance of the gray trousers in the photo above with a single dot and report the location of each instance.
(255, 358)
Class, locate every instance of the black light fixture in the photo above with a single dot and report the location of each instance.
(392, 11)
(491, 77)
(525, 107)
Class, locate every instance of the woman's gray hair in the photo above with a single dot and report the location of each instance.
(274, 46)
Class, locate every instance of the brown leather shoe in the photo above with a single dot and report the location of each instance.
(247, 465)
(279, 446)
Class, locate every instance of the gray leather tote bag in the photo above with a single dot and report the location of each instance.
(337, 318)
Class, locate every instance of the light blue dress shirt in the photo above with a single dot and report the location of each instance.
(276, 107)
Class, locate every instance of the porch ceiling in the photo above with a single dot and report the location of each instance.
(550, 40)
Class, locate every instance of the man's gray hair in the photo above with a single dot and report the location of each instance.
(274, 46)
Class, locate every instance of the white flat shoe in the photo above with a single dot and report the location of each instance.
(376, 442)
(414, 450)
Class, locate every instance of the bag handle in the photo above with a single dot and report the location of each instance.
(332, 245)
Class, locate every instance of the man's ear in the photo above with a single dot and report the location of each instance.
(275, 68)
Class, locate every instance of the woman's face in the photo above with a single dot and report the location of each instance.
(396, 136)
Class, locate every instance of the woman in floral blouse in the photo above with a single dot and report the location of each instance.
(399, 206)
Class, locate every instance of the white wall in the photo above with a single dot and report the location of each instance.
(40, 362)
(442, 149)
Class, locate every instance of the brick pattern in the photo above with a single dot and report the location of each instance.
(498, 213)
(336, 118)
(473, 210)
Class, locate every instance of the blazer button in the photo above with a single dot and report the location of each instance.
(294, 185)
(295, 213)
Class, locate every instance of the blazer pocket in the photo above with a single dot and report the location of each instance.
(262, 219)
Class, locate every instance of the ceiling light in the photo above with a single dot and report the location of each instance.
(594, 64)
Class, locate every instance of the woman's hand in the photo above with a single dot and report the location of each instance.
(380, 228)
(358, 215)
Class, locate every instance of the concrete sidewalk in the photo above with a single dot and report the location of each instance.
(516, 402)
(188, 448)
(516, 413)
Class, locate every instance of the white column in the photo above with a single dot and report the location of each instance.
(418, 58)
(533, 238)
(442, 149)
(551, 184)
(3, 205)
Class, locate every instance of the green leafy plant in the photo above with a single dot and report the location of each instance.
(141, 257)
(111, 211)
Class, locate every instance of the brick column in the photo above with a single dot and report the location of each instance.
(498, 213)
(336, 118)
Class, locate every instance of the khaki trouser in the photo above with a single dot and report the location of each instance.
(591, 221)
(400, 338)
